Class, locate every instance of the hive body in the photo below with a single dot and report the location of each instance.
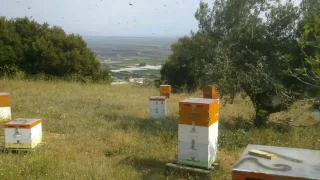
(23, 133)
(210, 92)
(198, 132)
(165, 90)
(5, 108)
(157, 107)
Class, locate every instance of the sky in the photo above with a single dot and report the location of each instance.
(145, 18)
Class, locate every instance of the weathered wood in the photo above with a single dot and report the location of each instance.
(262, 154)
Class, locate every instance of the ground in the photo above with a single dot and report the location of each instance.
(103, 132)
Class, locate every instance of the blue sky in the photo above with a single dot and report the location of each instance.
(110, 17)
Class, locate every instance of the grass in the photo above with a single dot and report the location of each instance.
(103, 132)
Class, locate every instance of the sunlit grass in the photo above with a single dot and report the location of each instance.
(103, 132)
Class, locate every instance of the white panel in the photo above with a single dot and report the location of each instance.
(157, 114)
(157, 104)
(201, 134)
(316, 115)
(17, 136)
(5, 112)
(36, 132)
(188, 132)
(199, 152)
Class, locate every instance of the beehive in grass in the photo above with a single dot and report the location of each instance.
(165, 90)
(210, 92)
(198, 132)
(157, 107)
(23, 133)
(5, 108)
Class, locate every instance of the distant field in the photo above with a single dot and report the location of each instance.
(155, 48)
(103, 132)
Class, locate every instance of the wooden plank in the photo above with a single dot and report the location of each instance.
(262, 154)
(188, 168)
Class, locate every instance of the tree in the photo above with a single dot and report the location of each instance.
(142, 64)
(248, 53)
(310, 47)
(36, 48)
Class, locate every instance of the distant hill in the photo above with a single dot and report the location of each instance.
(155, 47)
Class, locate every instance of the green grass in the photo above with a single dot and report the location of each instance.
(103, 132)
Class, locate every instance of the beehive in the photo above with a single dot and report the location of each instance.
(157, 107)
(198, 132)
(210, 92)
(5, 109)
(290, 164)
(316, 111)
(165, 90)
(23, 133)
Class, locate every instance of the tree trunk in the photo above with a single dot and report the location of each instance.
(260, 119)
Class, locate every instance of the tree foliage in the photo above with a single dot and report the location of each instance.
(243, 46)
(34, 48)
(309, 42)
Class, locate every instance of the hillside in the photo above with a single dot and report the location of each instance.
(151, 47)
(102, 132)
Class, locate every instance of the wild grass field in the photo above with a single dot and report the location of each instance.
(103, 132)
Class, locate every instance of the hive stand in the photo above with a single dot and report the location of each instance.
(176, 167)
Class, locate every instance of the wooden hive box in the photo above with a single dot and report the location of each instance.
(198, 132)
(157, 107)
(289, 164)
(23, 133)
(5, 108)
(165, 90)
(210, 92)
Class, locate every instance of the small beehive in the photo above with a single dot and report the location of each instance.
(316, 111)
(5, 109)
(198, 132)
(23, 133)
(210, 92)
(165, 90)
(288, 164)
(157, 107)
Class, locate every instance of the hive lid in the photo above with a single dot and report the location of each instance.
(290, 162)
(157, 98)
(22, 123)
(165, 85)
(199, 101)
(4, 94)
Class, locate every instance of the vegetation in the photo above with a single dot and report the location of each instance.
(244, 47)
(103, 132)
(310, 44)
(30, 48)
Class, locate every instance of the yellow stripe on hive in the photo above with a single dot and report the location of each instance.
(24, 126)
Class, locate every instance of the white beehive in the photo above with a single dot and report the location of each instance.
(5, 109)
(23, 133)
(157, 107)
(316, 111)
(198, 132)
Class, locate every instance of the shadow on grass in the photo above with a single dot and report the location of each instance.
(245, 124)
(152, 168)
(144, 125)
